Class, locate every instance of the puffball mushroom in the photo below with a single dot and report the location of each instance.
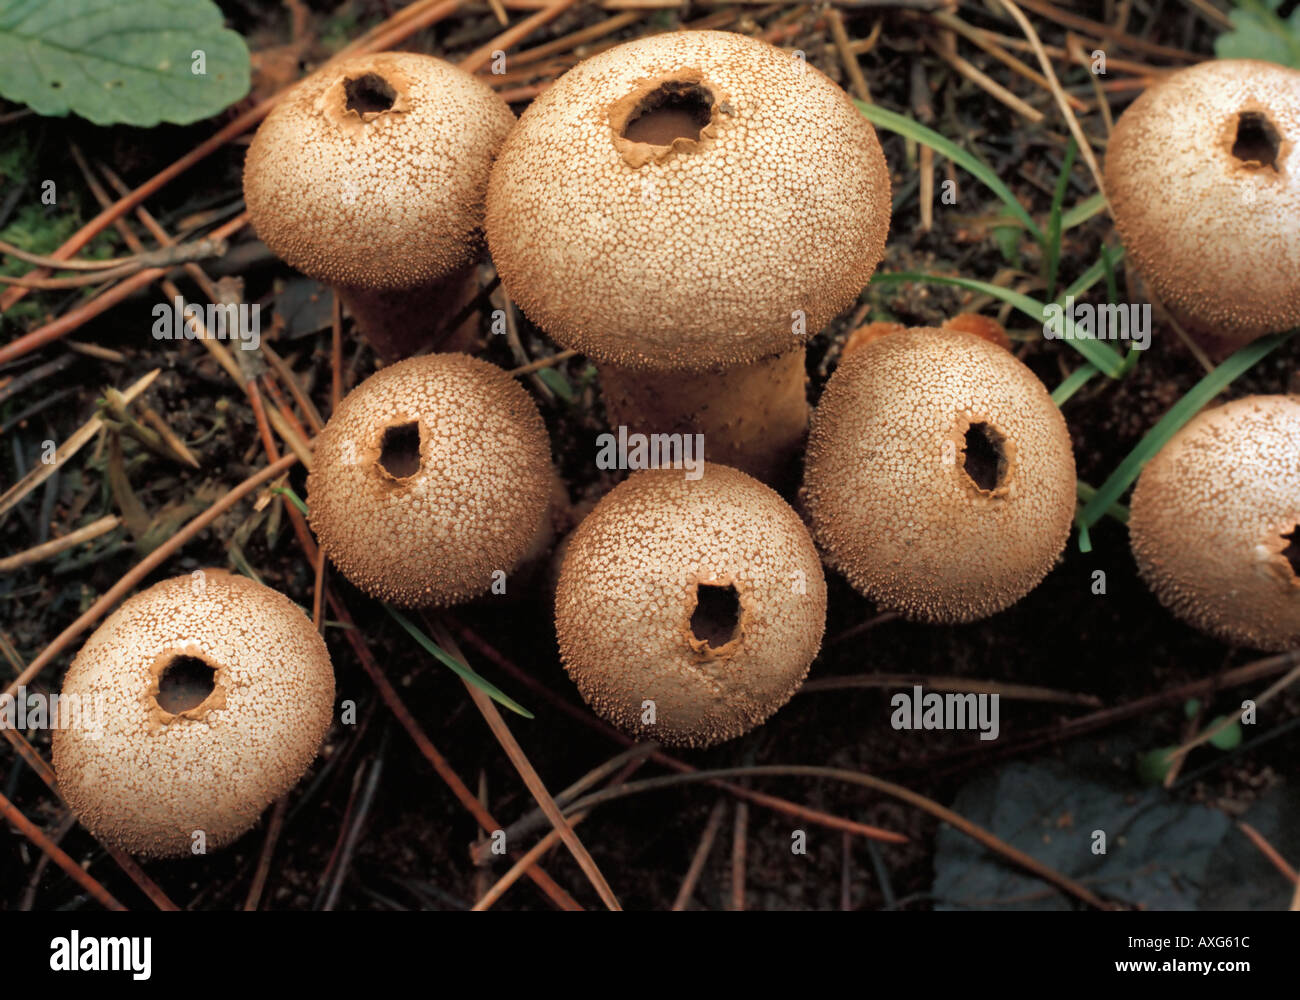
(430, 478)
(370, 175)
(1203, 177)
(682, 205)
(200, 701)
(939, 477)
(1215, 522)
(688, 611)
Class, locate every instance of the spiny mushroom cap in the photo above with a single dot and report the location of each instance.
(1215, 516)
(372, 171)
(146, 779)
(630, 587)
(685, 252)
(1203, 175)
(432, 475)
(939, 477)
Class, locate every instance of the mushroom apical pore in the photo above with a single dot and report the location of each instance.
(200, 701)
(370, 175)
(688, 611)
(939, 477)
(1203, 177)
(431, 478)
(1215, 522)
(687, 203)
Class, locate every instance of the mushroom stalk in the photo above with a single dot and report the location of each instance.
(753, 417)
(400, 323)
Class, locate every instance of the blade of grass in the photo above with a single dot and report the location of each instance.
(1100, 354)
(912, 129)
(1075, 381)
(1116, 510)
(1052, 248)
(1181, 412)
(462, 670)
(1088, 208)
(1094, 274)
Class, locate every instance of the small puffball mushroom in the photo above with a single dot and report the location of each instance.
(431, 478)
(193, 706)
(1203, 177)
(939, 477)
(370, 175)
(1215, 522)
(688, 611)
(687, 203)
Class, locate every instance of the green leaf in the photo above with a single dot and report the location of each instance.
(1227, 738)
(1077, 380)
(1095, 351)
(121, 61)
(912, 129)
(1082, 212)
(1181, 412)
(1259, 33)
(557, 383)
(1154, 765)
(462, 670)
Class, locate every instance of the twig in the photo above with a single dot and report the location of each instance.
(1018, 692)
(37, 836)
(739, 836)
(56, 545)
(701, 855)
(481, 56)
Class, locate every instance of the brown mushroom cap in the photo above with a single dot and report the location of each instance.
(685, 252)
(939, 477)
(704, 596)
(1203, 175)
(432, 475)
(1215, 522)
(213, 694)
(372, 171)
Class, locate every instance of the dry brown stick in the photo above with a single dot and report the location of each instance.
(1019, 692)
(290, 381)
(986, 83)
(124, 861)
(37, 836)
(1116, 35)
(145, 566)
(575, 39)
(984, 40)
(54, 546)
(1272, 691)
(530, 777)
(701, 855)
(400, 26)
(1269, 851)
(388, 694)
(780, 805)
(1085, 147)
(958, 822)
(847, 57)
(481, 56)
(530, 858)
(739, 839)
(541, 363)
(82, 436)
(273, 829)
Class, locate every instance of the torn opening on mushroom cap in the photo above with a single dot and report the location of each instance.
(372, 172)
(701, 598)
(206, 697)
(431, 476)
(939, 476)
(1203, 175)
(1213, 522)
(689, 199)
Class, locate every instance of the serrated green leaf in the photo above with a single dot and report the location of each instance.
(1259, 33)
(121, 61)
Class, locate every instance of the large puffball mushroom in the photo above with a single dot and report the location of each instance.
(1215, 522)
(688, 203)
(431, 481)
(194, 706)
(689, 610)
(370, 175)
(1203, 177)
(939, 477)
